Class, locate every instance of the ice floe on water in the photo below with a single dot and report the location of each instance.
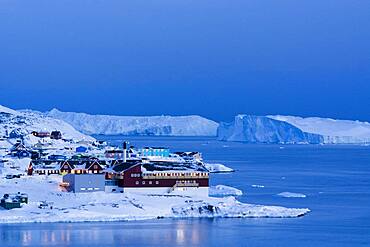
(216, 168)
(258, 186)
(291, 194)
(224, 190)
(231, 208)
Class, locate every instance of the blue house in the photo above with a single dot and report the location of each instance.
(20, 151)
(81, 149)
(16, 134)
(154, 151)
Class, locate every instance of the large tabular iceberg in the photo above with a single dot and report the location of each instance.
(333, 131)
(130, 125)
(289, 129)
(260, 129)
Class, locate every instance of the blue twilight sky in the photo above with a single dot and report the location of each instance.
(209, 57)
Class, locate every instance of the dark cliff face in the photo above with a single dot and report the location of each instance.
(260, 129)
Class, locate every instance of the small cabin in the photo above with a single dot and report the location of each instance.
(14, 134)
(66, 167)
(20, 151)
(57, 135)
(10, 201)
(43, 134)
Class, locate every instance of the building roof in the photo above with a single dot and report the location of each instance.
(170, 166)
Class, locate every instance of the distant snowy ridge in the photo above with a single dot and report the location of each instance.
(261, 129)
(333, 131)
(131, 125)
(4, 109)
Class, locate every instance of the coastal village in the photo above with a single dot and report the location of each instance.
(50, 172)
(92, 166)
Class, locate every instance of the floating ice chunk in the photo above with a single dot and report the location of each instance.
(223, 190)
(215, 168)
(231, 208)
(258, 186)
(290, 194)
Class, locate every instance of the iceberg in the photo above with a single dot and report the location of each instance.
(332, 131)
(291, 194)
(217, 168)
(224, 190)
(231, 208)
(138, 125)
(261, 129)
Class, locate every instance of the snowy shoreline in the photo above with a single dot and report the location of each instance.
(109, 207)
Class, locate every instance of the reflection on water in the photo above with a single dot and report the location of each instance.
(156, 232)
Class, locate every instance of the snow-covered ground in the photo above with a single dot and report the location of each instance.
(137, 125)
(100, 206)
(24, 122)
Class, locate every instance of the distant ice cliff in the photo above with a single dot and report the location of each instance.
(261, 129)
(333, 131)
(289, 129)
(131, 125)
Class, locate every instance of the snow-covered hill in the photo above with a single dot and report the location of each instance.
(260, 129)
(130, 125)
(24, 122)
(333, 131)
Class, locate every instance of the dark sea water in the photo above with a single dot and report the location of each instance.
(335, 179)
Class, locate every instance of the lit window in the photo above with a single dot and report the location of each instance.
(143, 182)
(156, 182)
(150, 182)
(137, 182)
